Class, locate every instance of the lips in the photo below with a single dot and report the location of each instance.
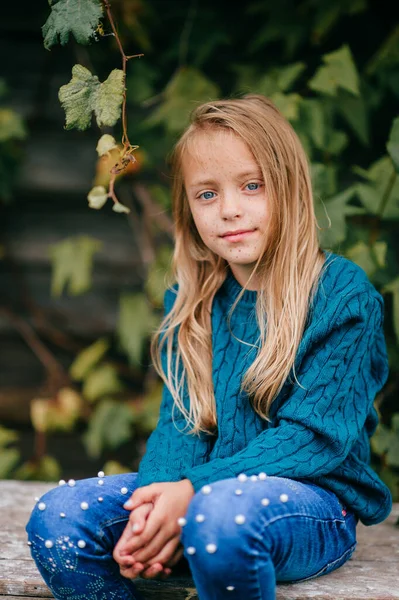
(237, 232)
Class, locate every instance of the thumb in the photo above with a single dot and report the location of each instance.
(141, 495)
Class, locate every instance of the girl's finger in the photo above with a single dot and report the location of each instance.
(169, 555)
(160, 549)
(138, 516)
(153, 526)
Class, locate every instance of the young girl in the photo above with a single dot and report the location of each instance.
(272, 352)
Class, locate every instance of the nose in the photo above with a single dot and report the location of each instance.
(230, 205)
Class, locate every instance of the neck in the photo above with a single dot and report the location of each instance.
(242, 274)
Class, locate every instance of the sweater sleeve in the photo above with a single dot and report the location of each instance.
(168, 450)
(344, 365)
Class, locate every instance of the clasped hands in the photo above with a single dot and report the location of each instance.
(150, 543)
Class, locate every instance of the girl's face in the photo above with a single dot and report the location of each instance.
(226, 195)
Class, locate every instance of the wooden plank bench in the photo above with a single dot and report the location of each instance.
(371, 574)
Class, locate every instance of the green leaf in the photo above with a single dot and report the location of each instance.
(336, 142)
(286, 76)
(288, 104)
(387, 55)
(135, 324)
(8, 461)
(393, 288)
(47, 469)
(188, 88)
(331, 217)
(114, 467)
(371, 193)
(392, 457)
(391, 479)
(323, 180)
(381, 440)
(97, 197)
(72, 261)
(109, 427)
(339, 72)
(393, 143)
(107, 101)
(354, 111)
(313, 120)
(11, 125)
(146, 412)
(7, 436)
(85, 94)
(361, 254)
(101, 381)
(78, 17)
(323, 82)
(88, 358)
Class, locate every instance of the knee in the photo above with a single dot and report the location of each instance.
(216, 533)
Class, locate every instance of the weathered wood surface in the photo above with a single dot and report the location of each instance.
(372, 573)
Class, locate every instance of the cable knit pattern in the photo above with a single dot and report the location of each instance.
(320, 430)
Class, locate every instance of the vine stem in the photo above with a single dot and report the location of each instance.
(125, 58)
(55, 371)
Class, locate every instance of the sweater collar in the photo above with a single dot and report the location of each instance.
(233, 288)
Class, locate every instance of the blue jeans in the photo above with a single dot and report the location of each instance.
(251, 534)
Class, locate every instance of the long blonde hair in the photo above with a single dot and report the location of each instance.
(287, 272)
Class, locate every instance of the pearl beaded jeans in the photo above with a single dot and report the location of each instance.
(241, 537)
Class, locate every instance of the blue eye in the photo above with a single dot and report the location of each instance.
(253, 186)
(206, 196)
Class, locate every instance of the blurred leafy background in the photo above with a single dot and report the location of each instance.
(81, 290)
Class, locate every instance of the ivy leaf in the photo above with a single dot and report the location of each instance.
(11, 125)
(135, 323)
(72, 265)
(87, 359)
(102, 381)
(288, 104)
(286, 76)
(79, 17)
(109, 427)
(338, 72)
(188, 88)
(7, 436)
(371, 193)
(368, 258)
(314, 121)
(393, 287)
(354, 111)
(393, 143)
(85, 94)
(46, 469)
(8, 460)
(333, 212)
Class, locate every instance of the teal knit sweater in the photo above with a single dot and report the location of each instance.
(318, 432)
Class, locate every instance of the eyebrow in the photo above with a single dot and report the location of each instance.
(201, 182)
